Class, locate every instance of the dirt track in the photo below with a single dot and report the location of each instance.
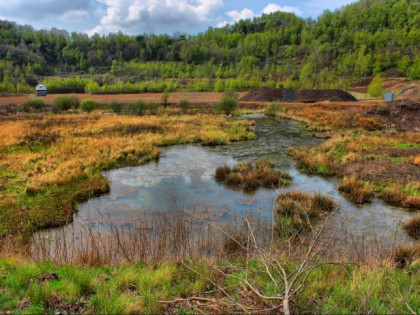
(176, 97)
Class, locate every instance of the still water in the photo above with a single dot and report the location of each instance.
(183, 180)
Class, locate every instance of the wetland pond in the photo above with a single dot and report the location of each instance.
(183, 181)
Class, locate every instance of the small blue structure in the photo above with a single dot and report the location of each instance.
(389, 97)
(41, 90)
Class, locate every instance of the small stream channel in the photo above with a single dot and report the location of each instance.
(183, 179)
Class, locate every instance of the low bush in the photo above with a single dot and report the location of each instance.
(227, 104)
(274, 108)
(153, 107)
(357, 191)
(137, 108)
(184, 105)
(89, 105)
(115, 106)
(67, 102)
(35, 103)
(250, 178)
(412, 226)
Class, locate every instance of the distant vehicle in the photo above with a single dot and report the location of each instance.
(41, 90)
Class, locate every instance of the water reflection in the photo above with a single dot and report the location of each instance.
(182, 180)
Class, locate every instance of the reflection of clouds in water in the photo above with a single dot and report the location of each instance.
(189, 163)
(183, 180)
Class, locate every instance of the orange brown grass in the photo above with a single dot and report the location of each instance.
(41, 180)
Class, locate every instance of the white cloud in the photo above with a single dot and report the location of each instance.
(272, 7)
(240, 15)
(74, 16)
(37, 10)
(137, 16)
(246, 13)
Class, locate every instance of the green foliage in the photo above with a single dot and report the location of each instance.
(274, 108)
(362, 39)
(153, 107)
(92, 87)
(89, 105)
(115, 106)
(35, 103)
(227, 104)
(66, 85)
(165, 98)
(137, 108)
(375, 88)
(66, 102)
(184, 105)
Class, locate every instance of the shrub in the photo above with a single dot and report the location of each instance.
(153, 107)
(67, 102)
(273, 108)
(165, 98)
(357, 191)
(184, 105)
(89, 105)
(375, 88)
(227, 104)
(35, 103)
(137, 108)
(115, 106)
(412, 226)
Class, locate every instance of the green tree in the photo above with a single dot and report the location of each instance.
(227, 104)
(375, 88)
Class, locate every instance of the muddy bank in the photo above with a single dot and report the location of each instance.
(402, 115)
(289, 95)
(381, 171)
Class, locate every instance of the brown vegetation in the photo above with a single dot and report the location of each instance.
(403, 256)
(412, 226)
(249, 177)
(357, 191)
(297, 210)
(48, 163)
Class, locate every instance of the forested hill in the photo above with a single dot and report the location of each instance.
(366, 38)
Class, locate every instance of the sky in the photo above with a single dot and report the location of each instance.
(150, 16)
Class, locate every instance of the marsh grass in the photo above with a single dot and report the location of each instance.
(251, 177)
(412, 226)
(357, 191)
(406, 255)
(51, 162)
(297, 210)
(155, 238)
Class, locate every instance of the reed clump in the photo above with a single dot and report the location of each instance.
(405, 255)
(357, 191)
(250, 177)
(412, 226)
(297, 211)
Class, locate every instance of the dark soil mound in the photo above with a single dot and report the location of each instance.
(309, 96)
(401, 115)
(288, 95)
(264, 94)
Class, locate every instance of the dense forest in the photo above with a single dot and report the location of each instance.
(369, 37)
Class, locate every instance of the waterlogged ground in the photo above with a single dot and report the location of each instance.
(183, 181)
